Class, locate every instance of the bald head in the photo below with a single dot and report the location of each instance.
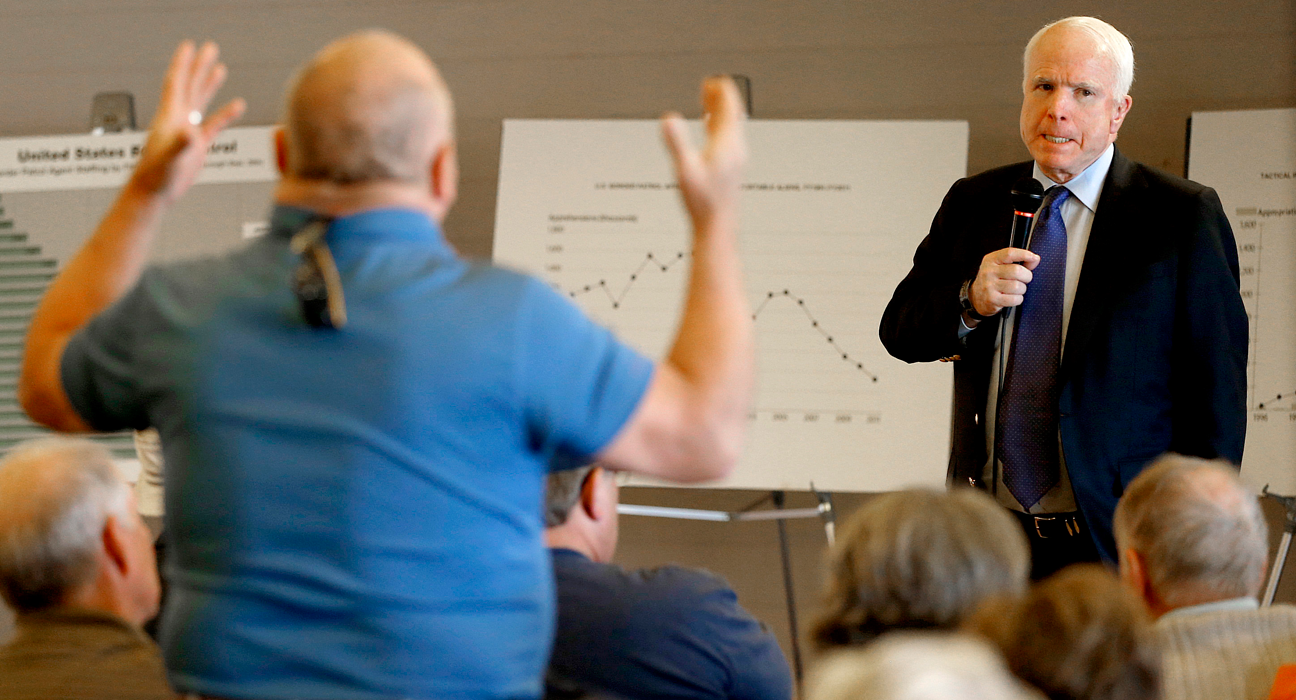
(1197, 528)
(369, 107)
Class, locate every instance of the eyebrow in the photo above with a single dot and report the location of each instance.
(1041, 80)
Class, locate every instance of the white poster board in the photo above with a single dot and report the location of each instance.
(832, 213)
(55, 189)
(1250, 159)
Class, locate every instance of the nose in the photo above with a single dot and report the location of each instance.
(1059, 107)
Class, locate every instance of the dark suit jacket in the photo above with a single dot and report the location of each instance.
(1156, 350)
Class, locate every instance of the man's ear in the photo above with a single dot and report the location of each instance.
(444, 178)
(1133, 571)
(281, 150)
(115, 541)
(589, 498)
(1120, 109)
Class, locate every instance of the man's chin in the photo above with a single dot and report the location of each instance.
(1058, 164)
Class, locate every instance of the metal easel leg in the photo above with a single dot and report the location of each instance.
(1284, 546)
(789, 588)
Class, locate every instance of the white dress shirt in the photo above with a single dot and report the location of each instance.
(1078, 214)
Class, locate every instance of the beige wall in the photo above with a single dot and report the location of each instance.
(884, 59)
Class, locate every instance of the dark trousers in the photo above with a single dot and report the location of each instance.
(1057, 540)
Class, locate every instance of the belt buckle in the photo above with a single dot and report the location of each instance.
(1070, 522)
(1038, 531)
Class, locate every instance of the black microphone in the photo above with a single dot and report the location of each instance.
(1027, 193)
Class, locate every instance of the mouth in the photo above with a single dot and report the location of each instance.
(1056, 139)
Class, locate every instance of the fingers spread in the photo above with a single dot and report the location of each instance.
(217, 122)
(201, 74)
(175, 84)
(724, 116)
(675, 133)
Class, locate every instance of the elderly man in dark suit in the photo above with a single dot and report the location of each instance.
(1117, 334)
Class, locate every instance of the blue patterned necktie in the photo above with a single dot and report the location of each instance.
(1026, 424)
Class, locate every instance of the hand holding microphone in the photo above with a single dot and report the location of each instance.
(1001, 280)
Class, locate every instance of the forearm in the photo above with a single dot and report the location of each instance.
(714, 351)
(103, 270)
(108, 264)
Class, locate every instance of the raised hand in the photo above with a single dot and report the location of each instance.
(709, 179)
(179, 135)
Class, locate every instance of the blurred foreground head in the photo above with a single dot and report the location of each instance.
(917, 666)
(919, 559)
(70, 535)
(1078, 635)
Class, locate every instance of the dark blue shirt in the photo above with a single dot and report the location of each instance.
(669, 632)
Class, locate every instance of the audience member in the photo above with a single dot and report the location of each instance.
(1078, 635)
(668, 632)
(1193, 544)
(356, 423)
(76, 562)
(919, 559)
(917, 666)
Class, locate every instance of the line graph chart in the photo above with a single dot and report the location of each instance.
(822, 247)
(814, 323)
(1277, 402)
(650, 261)
(653, 262)
(1250, 159)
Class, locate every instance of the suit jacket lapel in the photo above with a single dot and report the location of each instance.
(1101, 272)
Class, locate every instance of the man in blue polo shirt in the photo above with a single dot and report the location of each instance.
(356, 423)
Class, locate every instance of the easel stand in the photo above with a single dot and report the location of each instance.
(1280, 559)
(748, 513)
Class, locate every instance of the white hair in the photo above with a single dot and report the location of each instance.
(1112, 45)
(1198, 527)
(58, 494)
(917, 666)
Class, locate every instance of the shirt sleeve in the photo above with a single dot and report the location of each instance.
(99, 369)
(581, 384)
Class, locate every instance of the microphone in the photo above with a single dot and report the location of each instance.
(1027, 193)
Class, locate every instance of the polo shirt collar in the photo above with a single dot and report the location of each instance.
(373, 225)
(1087, 186)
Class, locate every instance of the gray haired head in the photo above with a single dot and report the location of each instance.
(562, 493)
(1198, 528)
(919, 559)
(57, 494)
(1112, 45)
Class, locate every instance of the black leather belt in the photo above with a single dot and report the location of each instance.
(1052, 525)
